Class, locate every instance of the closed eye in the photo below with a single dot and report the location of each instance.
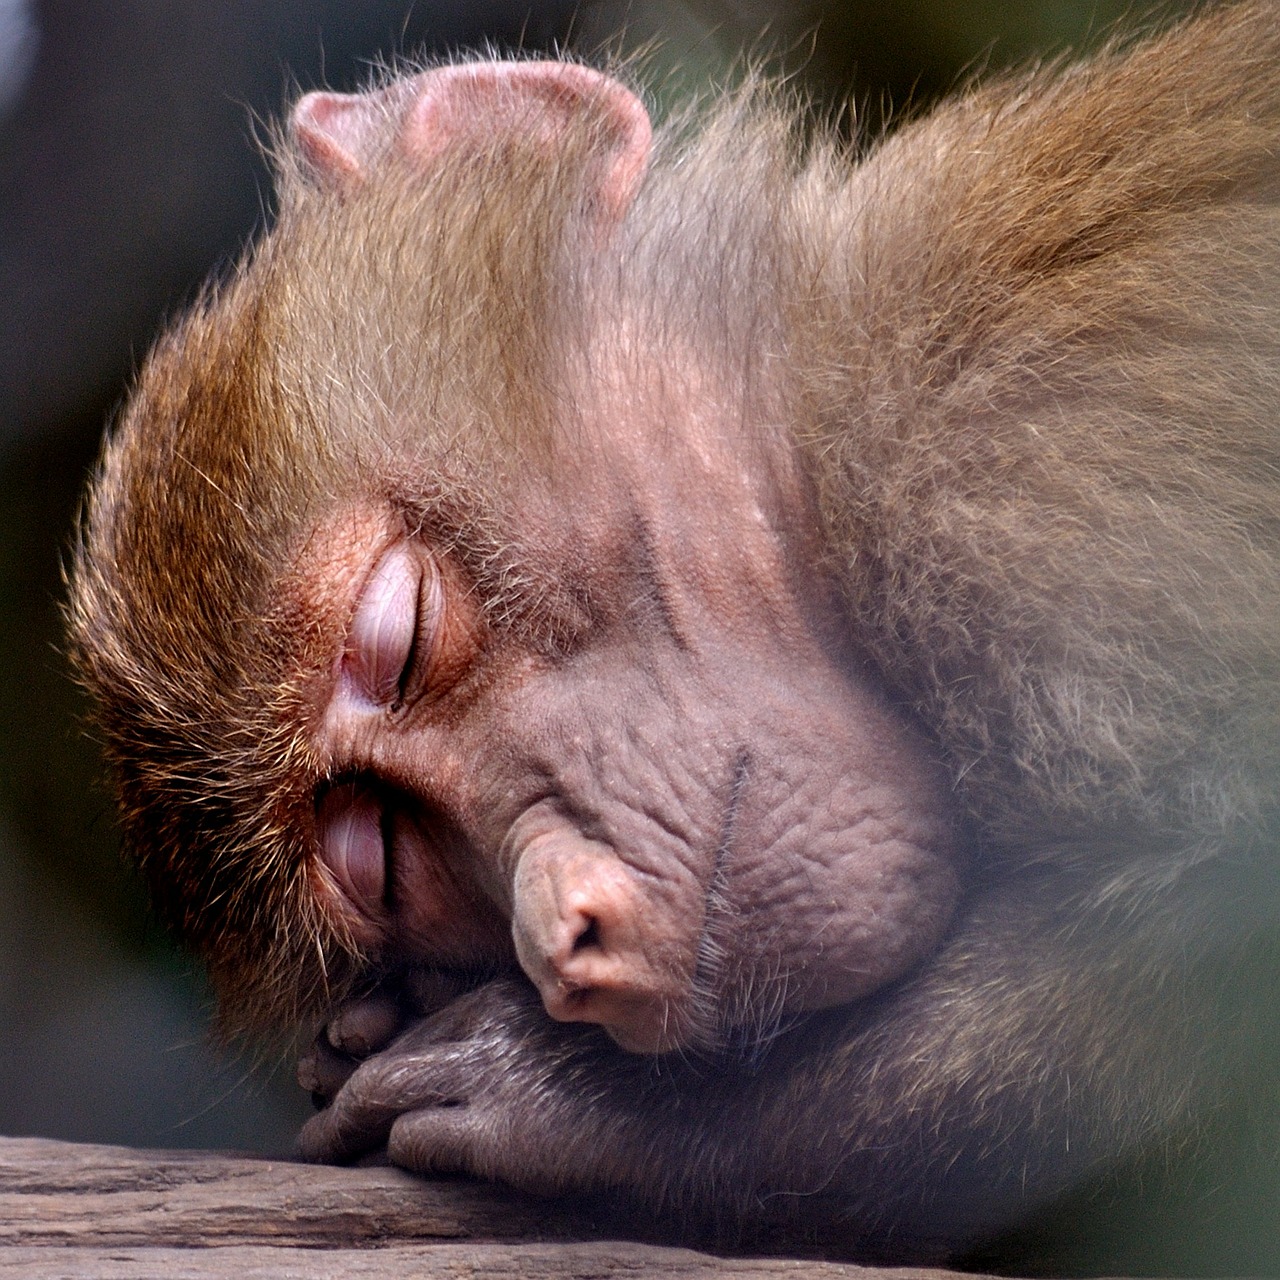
(383, 632)
(351, 821)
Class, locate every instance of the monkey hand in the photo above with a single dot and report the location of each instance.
(488, 1086)
(368, 1023)
(359, 1028)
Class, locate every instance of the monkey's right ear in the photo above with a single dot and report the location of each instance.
(341, 135)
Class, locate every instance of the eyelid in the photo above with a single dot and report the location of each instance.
(384, 630)
(417, 671)
(349, 822)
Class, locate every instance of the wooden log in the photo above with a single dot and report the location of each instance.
(71, 1194)
(473, 1261)
(69, 1211)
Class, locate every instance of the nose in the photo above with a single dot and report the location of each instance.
(597, 947)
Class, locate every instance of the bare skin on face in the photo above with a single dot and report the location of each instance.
(697, 801)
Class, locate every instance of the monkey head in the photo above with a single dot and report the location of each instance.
(449, 595)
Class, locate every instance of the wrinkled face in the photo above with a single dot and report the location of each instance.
(659, 785)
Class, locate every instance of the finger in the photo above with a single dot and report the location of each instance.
(329, 1138)
(364, 1026)
(440, 1140)
(356, 1121)
(360, 1116)
(322, 1071)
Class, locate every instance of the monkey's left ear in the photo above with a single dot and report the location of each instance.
(341, 135)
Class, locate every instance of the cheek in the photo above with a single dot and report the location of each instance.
(440, 914)
(859, 883)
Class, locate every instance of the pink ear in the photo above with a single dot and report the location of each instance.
(341, 135)
(539, 98)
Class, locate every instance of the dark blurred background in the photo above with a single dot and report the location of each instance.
(128, 171)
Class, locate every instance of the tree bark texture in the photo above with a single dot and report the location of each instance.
(70, 1210)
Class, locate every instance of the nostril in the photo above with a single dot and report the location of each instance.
(583, 935)
(588, 936)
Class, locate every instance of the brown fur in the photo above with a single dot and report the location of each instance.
(1028, 353)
